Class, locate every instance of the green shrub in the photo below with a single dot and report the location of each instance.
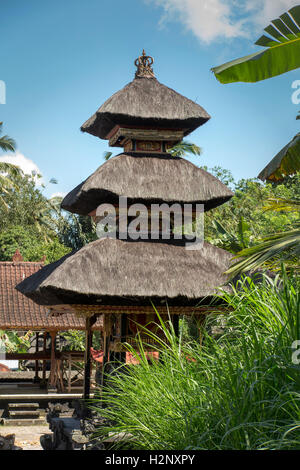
(240, 391)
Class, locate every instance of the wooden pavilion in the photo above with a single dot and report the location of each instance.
(120, 277)
(19, 313)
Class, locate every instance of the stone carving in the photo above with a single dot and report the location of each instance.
(8, 442)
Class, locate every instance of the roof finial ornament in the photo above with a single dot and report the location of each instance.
(143, 64)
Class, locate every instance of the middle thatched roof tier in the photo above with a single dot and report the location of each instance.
(116, 272)
(147, 179)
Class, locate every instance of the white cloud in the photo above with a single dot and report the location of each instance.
(27, 165)
(270, 9)
(210, 20)
(59, 194)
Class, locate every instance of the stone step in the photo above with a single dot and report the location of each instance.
(24, 414)
(23, 406)
(23, 422)
(28, 385)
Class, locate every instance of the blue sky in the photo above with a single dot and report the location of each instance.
(62, 59)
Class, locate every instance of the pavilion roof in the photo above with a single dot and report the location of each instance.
(147, 179)
(116, 272)
(18, 312)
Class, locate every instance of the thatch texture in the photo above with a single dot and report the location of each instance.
(112, 272)
(147, 179)
(146, 102)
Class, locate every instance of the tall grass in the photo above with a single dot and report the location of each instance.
(240, 391)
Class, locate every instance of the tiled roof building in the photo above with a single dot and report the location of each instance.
(18, 312)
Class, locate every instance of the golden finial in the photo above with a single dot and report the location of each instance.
(143, 64)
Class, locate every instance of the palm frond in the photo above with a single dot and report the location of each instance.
(283, 246)
(282, 204)
(107, 155)
(7, 144)
(184, 148)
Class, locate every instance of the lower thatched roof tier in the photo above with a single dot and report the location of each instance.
(146, 102)
(147, 179)
(116, 272)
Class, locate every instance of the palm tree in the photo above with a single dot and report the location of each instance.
(8, 172)
(6, 143)
(183, 148)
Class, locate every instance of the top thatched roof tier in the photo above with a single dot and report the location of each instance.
(145, 102)
(115, 272)
(147, 178)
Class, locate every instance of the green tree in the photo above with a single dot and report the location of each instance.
(25, 205)
(31, 244)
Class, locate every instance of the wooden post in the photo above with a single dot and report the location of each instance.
(44, 361)
(89, 322)
(176, 325)
(123, 336)
(53, 360)
(36, 376)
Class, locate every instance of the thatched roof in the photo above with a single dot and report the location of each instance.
(146, 102)
(147, 179)
(115, 272)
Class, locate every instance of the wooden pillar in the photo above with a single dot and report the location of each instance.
(176, 325)
(44, 361)
(89, 322)
(123, 336)
(106, 343)
(53, 360)
(36, 377)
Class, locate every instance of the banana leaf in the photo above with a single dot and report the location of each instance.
(286, 162)
(282, 53)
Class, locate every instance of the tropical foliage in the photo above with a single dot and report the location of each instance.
(281, 55)
(15, 343)
(286, 162)
(239, 391)
(7, 144)
(184, 149)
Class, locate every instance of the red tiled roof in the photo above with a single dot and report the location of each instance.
(20, 313)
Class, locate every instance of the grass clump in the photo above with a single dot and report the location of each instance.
(238, 391)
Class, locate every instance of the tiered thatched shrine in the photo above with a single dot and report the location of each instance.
(121, 276)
